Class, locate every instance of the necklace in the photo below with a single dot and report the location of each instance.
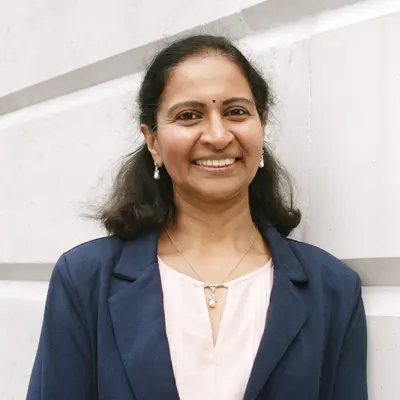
(212, 300)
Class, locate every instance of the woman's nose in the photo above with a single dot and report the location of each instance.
(217, 133)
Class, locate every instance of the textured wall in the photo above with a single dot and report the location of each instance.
(334, 66)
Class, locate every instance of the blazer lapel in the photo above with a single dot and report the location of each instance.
(137, 315)
(286, 314)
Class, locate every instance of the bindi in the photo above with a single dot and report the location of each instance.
(213, 101)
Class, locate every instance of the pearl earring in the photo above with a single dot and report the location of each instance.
(156, 172)
(262, 159)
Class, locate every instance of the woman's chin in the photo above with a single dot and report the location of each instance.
(220, 193)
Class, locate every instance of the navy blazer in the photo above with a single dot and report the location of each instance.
(104, 335)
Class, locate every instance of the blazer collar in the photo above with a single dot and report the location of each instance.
(136, 256)
(282, 254)
(137, 314)
(287, 313)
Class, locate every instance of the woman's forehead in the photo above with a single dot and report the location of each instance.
(210, 75)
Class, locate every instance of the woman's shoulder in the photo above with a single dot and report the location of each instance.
(90, 260)
(324, 268)
(94, 249)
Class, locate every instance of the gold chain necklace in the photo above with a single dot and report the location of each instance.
(212, 301)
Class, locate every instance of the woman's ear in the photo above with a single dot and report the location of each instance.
(152, 143)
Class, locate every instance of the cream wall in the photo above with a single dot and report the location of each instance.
(334, 66)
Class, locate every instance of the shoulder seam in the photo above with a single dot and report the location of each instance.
(88, 242)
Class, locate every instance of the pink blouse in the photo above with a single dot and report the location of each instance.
(202, 370)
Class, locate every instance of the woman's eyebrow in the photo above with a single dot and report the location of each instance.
(189, 103)
(238, 99)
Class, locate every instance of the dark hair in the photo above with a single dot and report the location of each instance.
(139, 204)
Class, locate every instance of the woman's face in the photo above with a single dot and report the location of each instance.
(209, 136)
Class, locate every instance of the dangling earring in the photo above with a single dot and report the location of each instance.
(262, 159)
(156, 172)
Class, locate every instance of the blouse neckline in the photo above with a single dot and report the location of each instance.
(198, 283)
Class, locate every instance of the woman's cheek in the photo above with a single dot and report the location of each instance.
(176, 145)
(250, 138)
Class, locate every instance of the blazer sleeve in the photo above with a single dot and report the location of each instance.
(63, 364)
(351, 375)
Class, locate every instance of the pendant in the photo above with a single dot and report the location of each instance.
(212, 301)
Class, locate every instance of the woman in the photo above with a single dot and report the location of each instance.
(198, 293)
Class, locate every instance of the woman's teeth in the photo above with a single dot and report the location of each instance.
(215, 163)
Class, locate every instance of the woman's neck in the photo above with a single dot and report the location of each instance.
(222, 226)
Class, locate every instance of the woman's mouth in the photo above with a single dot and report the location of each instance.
(215, 163)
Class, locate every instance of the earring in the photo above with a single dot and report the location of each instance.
(156, 172)
(262, 159)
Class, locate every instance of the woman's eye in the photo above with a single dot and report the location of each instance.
(237, 112)
(188, 116)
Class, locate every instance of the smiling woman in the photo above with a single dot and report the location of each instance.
(198, 293)
(201, 101)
